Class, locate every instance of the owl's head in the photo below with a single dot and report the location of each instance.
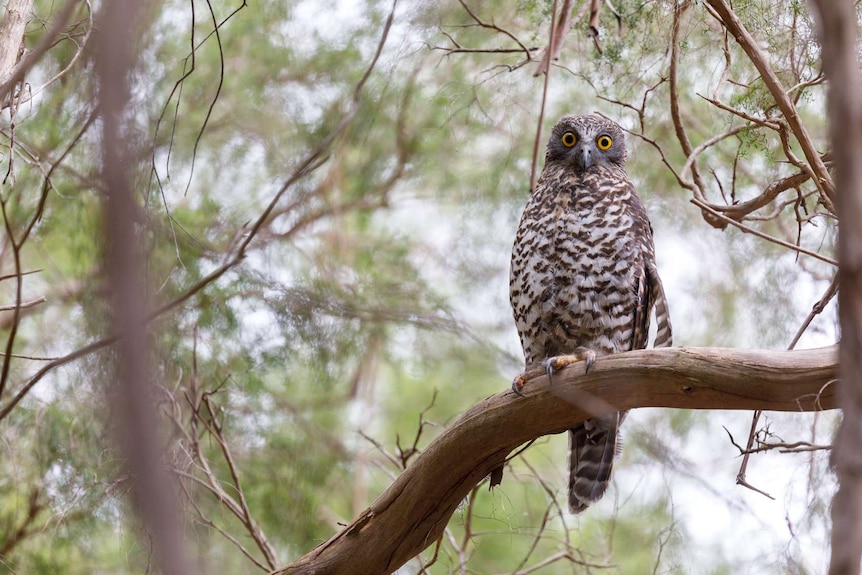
(584, 141)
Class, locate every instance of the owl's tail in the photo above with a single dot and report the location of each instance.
(593, 447)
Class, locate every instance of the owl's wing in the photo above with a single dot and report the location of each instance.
(651, 293)
(645, 300)
(664, 333)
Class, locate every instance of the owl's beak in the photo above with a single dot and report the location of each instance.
(583, 158)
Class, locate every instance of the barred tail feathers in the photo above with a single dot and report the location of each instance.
(593, 447)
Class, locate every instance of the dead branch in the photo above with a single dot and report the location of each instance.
(413, 512)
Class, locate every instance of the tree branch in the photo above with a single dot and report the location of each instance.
(822, 178)
(413, 512)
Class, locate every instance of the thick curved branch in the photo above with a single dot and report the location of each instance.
(739, 211)
(413, 512)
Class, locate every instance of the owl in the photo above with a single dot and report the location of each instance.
(583, 279)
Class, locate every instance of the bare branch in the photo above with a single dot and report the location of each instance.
(816, 309)
(492, 26)
(689, 161)
(772, 191)
(555, 43)
(706, 207)
(699, 189)
(23, 304)
(19, 286)
(253, 528)
(534, 166)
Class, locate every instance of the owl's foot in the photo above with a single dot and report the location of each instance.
(557, 363)
(553, 364)
(518, 383)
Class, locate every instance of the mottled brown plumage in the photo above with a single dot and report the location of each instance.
(583, 277)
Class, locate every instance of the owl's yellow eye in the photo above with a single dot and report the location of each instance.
(604, 143)
(568, 139)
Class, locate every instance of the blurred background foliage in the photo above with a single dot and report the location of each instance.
(372, 307)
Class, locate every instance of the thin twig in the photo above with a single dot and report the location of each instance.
(23, 304)
(251, 525)
(496, 28)
(816, 310)
(689, 161)
(19, 287)
(537, 142)
(767, 237)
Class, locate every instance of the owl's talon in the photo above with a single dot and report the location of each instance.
(558, 362)
(589, 360)
(548, 365)
(518, 384)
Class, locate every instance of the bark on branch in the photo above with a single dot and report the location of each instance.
(413, 512)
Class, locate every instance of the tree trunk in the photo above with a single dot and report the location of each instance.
(12, 35)
(132, 404)
(844, 104)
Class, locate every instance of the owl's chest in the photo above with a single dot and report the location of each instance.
(591, 250)
(574, 271)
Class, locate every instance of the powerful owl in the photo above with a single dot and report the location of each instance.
(583, 279)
